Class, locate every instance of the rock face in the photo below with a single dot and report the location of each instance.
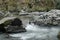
(12, 26)
(15, 29)
(48, 18)
(2, 29)
(16, 26)
(58, 36)
(16, 22)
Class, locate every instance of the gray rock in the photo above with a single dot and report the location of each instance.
(11, 25)
(58, 36)
(15, 29)
(48, 18)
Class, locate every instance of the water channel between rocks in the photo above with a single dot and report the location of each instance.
(34, 33)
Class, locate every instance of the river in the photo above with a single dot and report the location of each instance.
(34, 32)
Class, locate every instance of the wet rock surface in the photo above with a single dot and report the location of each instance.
(12, 26)
(15, 29)
(2, 29)
(48, 18)
(58, 35)
(34, 32)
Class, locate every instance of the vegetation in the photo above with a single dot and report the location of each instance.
(28, 5)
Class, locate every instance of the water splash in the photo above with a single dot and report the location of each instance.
(37, 33)
(31, 27)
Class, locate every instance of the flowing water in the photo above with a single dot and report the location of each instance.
(34, 32)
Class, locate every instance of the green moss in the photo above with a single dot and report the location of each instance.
(7, 22)
(34, 5)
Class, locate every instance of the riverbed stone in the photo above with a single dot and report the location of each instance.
(48, 18)
(12, 26)
(58, 36)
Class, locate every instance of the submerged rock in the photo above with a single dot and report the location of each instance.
(12, 26)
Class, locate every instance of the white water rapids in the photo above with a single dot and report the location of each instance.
(35, 32)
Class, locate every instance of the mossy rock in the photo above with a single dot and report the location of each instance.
(7, 22)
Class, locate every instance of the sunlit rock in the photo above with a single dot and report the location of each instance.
(48, 18)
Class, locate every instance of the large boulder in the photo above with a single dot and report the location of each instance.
(48, 18)
(11, 25)
(58, 36)
(15, 29)
(16, 22)
(16, 26)
(2, 29)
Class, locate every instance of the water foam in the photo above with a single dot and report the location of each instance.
(34, 32)
(31, 27)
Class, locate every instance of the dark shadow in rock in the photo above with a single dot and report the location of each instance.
(2, 29)
(15, 26)
(16, 22)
